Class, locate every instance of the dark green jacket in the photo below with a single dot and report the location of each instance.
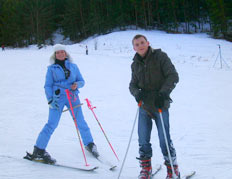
(154, 73)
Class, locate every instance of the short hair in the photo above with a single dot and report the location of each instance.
(137, 37)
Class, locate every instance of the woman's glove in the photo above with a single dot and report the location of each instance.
(53, 104)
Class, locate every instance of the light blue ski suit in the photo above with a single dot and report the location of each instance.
(55, 79)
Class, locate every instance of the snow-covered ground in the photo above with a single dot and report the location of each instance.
(200, 115)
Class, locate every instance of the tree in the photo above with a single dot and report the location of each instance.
(218, 17)
(39, 17)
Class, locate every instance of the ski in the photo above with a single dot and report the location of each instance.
(188, 176)
(157, 169)
(106, 162)
(103, 161)
(81, 168)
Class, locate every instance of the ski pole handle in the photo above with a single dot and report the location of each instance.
(89, 104)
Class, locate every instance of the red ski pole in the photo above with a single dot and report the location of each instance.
(91, 108)
(75, 121)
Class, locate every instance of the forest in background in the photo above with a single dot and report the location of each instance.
(26, 22)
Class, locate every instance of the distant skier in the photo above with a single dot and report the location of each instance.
(86, 50)
(153, 79)
(62, 74)
(3, 47)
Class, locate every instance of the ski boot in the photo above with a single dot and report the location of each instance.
(42, 155)
(146, 172)
(92, 148)
(169, 170)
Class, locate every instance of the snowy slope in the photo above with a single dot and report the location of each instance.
(200, 115)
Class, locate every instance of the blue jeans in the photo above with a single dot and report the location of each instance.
(144, 132)
(53, 121)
